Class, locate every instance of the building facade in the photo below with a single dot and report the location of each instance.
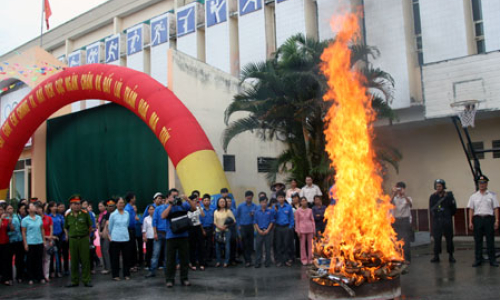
(438, 51)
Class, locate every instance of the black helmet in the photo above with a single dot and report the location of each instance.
(440, 181)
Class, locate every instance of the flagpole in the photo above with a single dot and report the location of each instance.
(41, 24)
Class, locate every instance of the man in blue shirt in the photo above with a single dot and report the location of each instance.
(131, 199)
(263, 223)
(224, 193)
(177, 242)
(283, 231)
(207, 222)
(158, 198)
(244, 215)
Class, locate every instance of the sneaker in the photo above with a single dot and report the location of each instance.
(451, 259)
(476, 263)
(150, 274)
(248, 265)
(435, 259)
(257, 266)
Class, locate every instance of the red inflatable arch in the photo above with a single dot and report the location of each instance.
(177, 129)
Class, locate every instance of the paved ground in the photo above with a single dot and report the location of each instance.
(424, 281)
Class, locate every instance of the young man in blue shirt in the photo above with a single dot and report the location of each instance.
(160, 229)
(207, 222)
(245, 216)
(263, 223)
(283, 231)
(131, 199)
(177, 242)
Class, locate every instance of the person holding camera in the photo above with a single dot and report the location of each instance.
(442, 208)
(402, 214)
(178, 225)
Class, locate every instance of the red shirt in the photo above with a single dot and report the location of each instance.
(4, 237)
(47, 222)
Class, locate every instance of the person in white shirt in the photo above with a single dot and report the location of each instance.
(148, 234)
(483, 219)
(402, 213)
(310, 190)
(196, 233)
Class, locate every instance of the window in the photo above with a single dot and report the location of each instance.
(417, 27)
(477, 19)
(477, 146)
(264, 164)
(229, 163)
(496, 145)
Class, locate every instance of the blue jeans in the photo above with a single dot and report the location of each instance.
(226, 245)
(156, 251)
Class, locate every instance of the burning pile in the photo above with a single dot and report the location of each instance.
(359, 244)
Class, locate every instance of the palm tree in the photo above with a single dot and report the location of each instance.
(283, 97)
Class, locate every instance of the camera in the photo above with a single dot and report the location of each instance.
(177, 201)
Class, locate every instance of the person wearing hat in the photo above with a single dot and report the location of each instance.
(443, 207)
(78, 226)
(276, 187)
(245, 214)
(483, 219)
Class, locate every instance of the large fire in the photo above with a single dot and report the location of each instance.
(359, 244)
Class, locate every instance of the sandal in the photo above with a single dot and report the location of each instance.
(202, 268)
(225, 265)
(186, 283)
(217, 265)
(193, 268)
(116, 278)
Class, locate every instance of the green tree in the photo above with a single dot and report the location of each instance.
(283, 99)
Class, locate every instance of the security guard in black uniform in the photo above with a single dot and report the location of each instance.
(442, 208)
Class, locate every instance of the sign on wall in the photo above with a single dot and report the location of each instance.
(135, 39)
(186, 21)
(112, 48)
(159, 30)
(75, 59)
(216, 12)
(248, 6)
(94, 52)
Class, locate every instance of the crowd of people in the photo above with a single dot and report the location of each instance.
(48, 240)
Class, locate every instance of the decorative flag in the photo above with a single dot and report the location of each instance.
(48, 12)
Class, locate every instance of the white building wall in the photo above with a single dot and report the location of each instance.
(385, 29)
(188, 36)
(217, 35)
(137, 57)
(444, 29)
(473, 77)
(491, 23)
(160, 43)
(252, 36)
(290, 19)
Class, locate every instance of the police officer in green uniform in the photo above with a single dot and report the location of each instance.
(78, 226)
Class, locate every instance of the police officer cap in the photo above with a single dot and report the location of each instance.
(441, 182)
(482, 178)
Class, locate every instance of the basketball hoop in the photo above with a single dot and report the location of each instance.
(466, 111)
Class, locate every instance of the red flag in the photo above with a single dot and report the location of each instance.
(48, 12)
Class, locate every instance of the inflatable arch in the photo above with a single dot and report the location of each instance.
(177, 129)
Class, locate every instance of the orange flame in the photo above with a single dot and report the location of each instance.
(360, 222)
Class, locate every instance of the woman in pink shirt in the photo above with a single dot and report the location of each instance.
(305, 228)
